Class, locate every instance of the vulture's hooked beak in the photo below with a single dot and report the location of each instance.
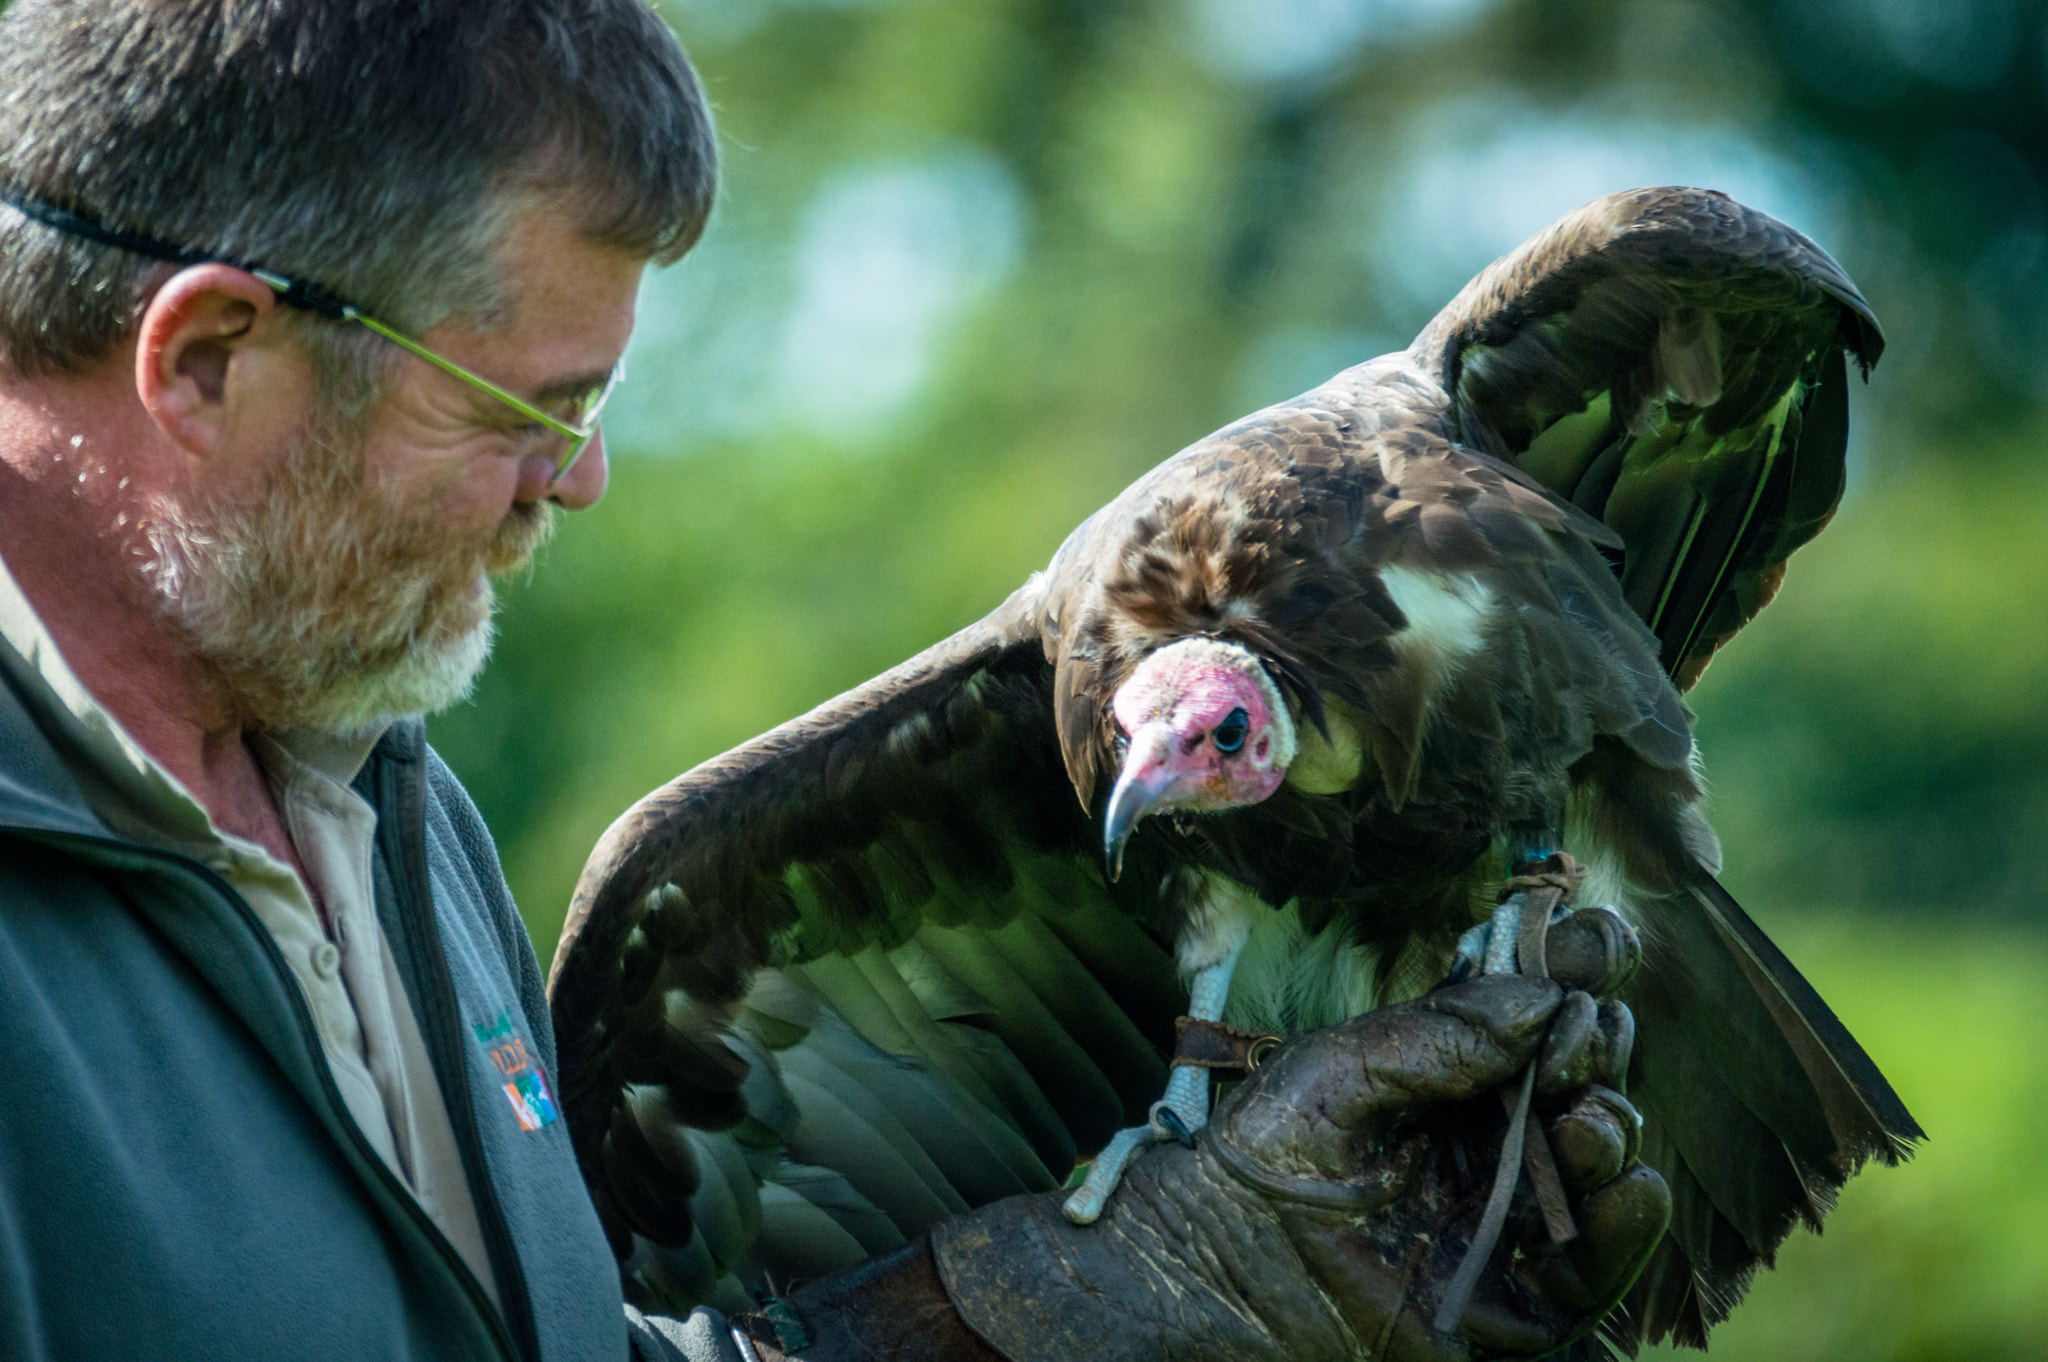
(1146, 777)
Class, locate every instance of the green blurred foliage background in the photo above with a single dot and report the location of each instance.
(975, 266)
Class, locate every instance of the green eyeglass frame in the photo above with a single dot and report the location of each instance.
(577, 432)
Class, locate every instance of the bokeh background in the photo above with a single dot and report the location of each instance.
(976, 265)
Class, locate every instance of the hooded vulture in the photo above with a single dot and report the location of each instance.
(1261, 743)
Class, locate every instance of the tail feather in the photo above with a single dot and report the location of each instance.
(1739, 1162)
(1865, 1115)
(1758, 1105)
(1665, 1301)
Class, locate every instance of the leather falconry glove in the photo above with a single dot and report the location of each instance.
(1322, 1214)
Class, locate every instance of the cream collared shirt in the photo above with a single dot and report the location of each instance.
(341, 960)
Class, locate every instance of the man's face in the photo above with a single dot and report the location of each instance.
(352, 583)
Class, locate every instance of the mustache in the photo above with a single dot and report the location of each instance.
(525, 528)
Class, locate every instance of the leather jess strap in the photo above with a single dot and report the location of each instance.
(1536, 893)
(1211, 1045)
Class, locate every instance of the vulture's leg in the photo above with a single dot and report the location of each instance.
(1209, 948)
(1185, 1108)
(1176, 1116)
(1489, 948)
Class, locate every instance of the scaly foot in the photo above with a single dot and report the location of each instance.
(1176, 1116)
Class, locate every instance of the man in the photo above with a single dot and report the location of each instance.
(307, 312)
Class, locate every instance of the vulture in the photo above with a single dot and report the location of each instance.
(1261, 744)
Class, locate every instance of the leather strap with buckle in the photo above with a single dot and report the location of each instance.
(1211, 1045)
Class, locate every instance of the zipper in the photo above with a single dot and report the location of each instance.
(310, 1035)
(442, 1029)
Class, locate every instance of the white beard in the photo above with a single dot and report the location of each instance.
(326, 602)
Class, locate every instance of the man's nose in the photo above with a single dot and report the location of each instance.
(581, 486)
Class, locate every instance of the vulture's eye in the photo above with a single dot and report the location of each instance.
(1229, 735)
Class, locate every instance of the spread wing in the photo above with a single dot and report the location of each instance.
(858, 974)
(1674, 364)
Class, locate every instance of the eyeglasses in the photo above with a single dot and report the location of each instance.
(577, 431)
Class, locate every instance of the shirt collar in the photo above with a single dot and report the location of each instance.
(129, 788)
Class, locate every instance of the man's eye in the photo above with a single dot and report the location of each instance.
(1229, 735)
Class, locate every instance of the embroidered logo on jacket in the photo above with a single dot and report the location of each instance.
(533, 1106)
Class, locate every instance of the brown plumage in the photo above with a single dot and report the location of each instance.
(1474, 570)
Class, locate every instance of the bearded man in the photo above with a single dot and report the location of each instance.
(307, 312)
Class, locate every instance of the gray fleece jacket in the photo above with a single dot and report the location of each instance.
(179, 1176)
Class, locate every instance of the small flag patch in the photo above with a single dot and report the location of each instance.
(531, 1101)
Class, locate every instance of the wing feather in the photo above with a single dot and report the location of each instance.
(809, 1240)
(1673, 363)
(845, 946)
(1062, 1065)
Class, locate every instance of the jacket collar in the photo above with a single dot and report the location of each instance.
(36, 791)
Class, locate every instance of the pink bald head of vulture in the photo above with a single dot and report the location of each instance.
(1206, 730)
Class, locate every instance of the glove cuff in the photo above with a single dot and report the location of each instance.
(893, 1307)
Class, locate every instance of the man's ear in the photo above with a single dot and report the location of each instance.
(213, 365)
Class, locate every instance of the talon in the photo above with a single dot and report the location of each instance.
(1470, 958)
(1167, 1120)
(1091, 1198)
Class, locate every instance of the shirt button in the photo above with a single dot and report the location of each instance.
(326, 959)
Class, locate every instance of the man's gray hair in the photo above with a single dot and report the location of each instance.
(375, 147)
